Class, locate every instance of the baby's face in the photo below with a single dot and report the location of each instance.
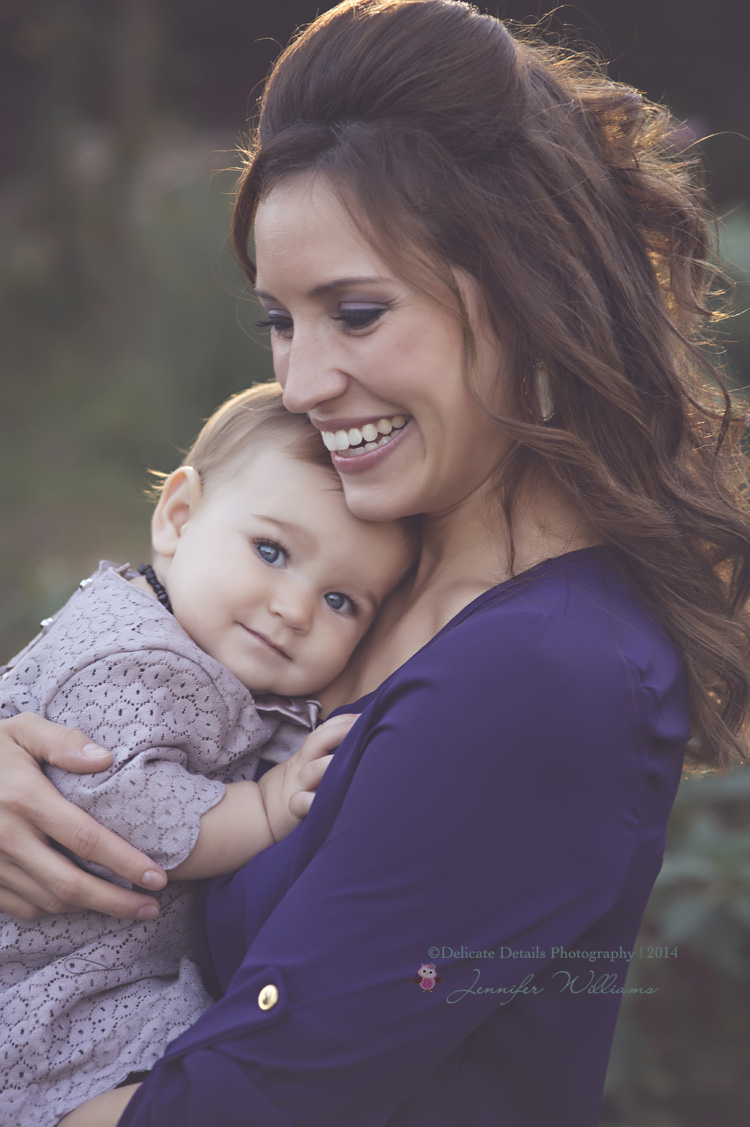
(275, 578)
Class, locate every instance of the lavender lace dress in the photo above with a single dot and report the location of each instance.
(86, 999)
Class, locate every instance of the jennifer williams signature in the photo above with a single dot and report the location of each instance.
(572, 984)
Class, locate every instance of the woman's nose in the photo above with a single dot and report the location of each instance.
(309, 375)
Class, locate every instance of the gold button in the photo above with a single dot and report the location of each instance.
(268, 997)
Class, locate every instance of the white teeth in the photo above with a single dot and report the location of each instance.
(367, 437)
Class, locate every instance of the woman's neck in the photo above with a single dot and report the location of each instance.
(472, 547)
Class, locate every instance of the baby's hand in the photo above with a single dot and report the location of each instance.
(289, 788)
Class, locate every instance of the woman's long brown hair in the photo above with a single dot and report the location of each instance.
(458, 145)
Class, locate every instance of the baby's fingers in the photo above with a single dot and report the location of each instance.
(309, 777)
(300, 803)
(328, 736)
(311, 773)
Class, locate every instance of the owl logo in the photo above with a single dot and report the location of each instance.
(428, 977)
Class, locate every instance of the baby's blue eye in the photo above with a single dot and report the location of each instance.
(271, 553)
(343, 603)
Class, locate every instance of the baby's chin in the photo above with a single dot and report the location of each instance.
(303, 686)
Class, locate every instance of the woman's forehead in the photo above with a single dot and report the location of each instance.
(302, 224)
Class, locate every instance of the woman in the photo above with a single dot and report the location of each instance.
(482, 277)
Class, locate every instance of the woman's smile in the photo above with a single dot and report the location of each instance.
(364, 436)
(353, 451)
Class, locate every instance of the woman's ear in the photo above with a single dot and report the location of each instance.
(179, 499)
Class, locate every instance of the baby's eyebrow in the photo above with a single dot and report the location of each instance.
(303, 536)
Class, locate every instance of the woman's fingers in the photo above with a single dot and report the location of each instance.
(30, 899)
(48, 879)
(48, 742)
(40, 879)
(82, 835)
(17, 906)
(64, 885)
(31, 810)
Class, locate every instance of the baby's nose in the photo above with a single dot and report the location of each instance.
(295, 605)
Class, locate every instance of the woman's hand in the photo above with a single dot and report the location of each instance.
(36, 879)
(289, 788)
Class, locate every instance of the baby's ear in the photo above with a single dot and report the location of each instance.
(179, 499)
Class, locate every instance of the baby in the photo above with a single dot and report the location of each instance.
(261, 585)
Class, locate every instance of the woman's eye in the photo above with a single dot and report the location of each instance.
(278, 323)
(339, 602)
(271, 553)
(359, 316)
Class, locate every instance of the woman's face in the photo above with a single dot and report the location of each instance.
(378, 365)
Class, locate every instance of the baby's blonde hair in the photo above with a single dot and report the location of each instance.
(247, 423)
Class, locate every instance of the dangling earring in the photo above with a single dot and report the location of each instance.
(543, 391)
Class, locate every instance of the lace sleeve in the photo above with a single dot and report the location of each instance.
(165, 722)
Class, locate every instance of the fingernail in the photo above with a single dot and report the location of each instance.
(150, 912)
(152, 879)
(92, 751)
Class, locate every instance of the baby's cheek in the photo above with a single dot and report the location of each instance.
(340, 647)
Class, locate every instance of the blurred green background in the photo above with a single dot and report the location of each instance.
(124, 322)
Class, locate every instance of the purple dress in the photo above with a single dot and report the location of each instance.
(498, 811)
(86, 999)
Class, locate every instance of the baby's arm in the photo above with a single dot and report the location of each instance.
(166, 719)
(252, 816)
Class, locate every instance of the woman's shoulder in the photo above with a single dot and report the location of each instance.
(574, 620)
(564, 664)
(585, 592)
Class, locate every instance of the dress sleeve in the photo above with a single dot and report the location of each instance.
(163, 718)
(493, 799)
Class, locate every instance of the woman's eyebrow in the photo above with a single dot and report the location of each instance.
(327, 287)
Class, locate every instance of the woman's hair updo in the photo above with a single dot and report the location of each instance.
(458, 146)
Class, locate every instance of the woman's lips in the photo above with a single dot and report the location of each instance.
(352, 462)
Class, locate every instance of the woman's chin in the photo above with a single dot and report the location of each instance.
(377, 503)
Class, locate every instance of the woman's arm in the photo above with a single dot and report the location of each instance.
(35, 878)
(491, 800)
